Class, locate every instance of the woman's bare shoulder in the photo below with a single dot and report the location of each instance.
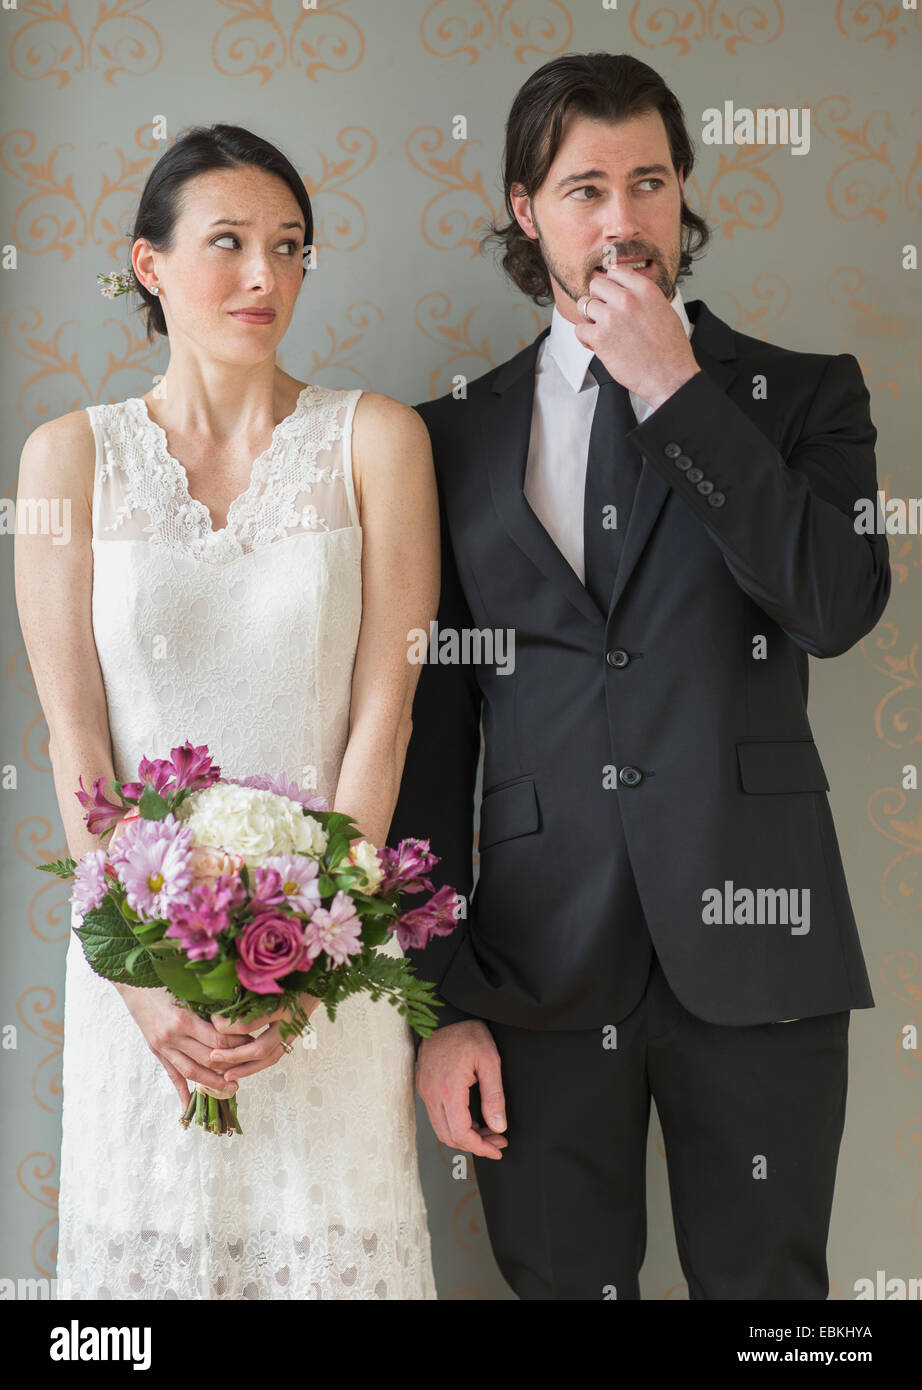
(390, 443)
(59, 456)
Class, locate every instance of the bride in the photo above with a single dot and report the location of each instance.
(248, 553)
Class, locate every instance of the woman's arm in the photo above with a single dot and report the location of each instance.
(53, 595)
(398, 508)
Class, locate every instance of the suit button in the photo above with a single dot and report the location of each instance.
(672, 450)
(717, 499)
(682, 461)
(694, 475)
(630, 776)
(705, 486)
(618, 657)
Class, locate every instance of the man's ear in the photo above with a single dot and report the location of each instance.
(521, 210)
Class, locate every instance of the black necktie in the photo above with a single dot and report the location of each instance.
(612, 471)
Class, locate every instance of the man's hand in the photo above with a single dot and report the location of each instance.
(448, 1064)
(636, 333)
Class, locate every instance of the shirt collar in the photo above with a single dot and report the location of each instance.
(573, 357)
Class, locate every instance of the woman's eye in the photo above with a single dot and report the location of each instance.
(228, 236)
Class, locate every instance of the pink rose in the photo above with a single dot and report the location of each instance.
(210, 862)
(270, 946)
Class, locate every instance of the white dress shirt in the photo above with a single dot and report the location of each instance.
(558, 449)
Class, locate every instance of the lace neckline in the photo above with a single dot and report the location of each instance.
(259, 470)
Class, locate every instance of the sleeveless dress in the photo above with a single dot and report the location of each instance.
(244, 639)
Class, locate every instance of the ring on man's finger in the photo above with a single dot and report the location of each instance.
(288, 1047)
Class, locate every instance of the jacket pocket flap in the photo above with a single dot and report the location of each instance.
(775, 766)
(507, 813)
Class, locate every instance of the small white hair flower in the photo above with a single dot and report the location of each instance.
(116, 283)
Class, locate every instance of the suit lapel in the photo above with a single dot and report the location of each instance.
(504, 422)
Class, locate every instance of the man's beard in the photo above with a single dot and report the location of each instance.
(660, 276)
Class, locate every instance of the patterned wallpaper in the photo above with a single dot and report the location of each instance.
(393, 111)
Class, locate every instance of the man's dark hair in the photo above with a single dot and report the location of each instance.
(603, 86)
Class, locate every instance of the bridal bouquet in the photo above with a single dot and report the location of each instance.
(241, 894)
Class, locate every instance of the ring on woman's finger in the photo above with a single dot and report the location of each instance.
(288, 1047)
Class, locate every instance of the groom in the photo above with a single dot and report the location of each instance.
(662, 509)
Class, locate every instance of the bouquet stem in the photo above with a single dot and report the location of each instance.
(215, 1111)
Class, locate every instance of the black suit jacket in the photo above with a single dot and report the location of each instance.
(742, 526)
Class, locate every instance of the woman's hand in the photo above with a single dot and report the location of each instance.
(180, 1040)
(253, 1054)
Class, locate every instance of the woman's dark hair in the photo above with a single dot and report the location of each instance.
(197, 151)
(604, 86)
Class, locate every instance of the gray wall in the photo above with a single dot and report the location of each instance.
(361, 94)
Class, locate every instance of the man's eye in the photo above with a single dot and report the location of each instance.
(293, 245)
(587, 187)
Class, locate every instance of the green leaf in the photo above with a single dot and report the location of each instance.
(347, 878)
(64, 868)
(171, 971)
(373, 907)
(374, 933)
(140, 967)
(325, 885)
(334, 822)
(337, 849)
(220, 982)
(108, 942)
(152, 805)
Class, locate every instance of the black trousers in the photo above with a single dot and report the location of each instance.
(752, 1119)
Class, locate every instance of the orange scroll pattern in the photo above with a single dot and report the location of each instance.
(254, 43)
(122, 42)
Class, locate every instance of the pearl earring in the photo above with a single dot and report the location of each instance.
(155, 289)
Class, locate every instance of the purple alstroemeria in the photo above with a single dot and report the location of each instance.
(158, 772)
(437, 917)
(101, 814)
(406, 866)
(199, 921)
(265, 889)
(282, 785)
(195, 768)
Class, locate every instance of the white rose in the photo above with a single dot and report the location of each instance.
(364, 856)
(250, 822)
(312, 836)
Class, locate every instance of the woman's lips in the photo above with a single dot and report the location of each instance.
(253, 315)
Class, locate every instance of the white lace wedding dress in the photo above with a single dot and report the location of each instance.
(242, 639)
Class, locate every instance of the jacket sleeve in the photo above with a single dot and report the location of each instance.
(436, 799)
(785, 526)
